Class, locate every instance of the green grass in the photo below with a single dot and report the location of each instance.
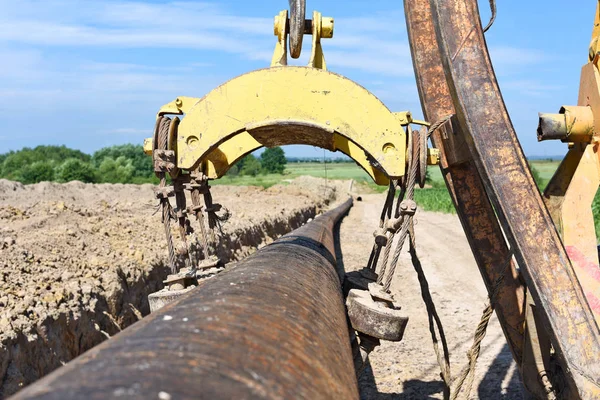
(435, 199)
(438, 199)
(545, 168)
(341, 171)
(266, 180)
(334, 171)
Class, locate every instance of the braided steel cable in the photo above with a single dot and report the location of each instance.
(388, 247)
(196, 199)
(167, 210)
(386, 214)
(413, 165)
(433, 317)
(407, 230)
(468, 372)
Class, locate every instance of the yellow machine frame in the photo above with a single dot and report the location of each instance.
(285, 105)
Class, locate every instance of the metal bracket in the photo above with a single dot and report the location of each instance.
(375, 318)
(320, 28)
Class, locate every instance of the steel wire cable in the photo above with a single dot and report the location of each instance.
(386, 213)
(410, 193)
(167, 210)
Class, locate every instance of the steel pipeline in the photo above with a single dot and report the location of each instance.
(272, 326)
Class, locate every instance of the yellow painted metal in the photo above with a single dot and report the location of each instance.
(420, 122)
(179, 106)
(433, 156)
(353, 151)
(281, 31)
(404, 117)
(571, 124)
(321, 28)
(219, 160)
(293, 105)
(148, 146)
(579, 122)
(215, 161)
(570, 193)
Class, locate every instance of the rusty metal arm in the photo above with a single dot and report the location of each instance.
(492, 140)
(273, 326)
(462, 177)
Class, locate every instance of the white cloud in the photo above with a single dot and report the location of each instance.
(372, 44)
(530, 87)
(62, 62)
(506, 55)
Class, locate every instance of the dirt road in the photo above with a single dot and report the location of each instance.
(409, 370)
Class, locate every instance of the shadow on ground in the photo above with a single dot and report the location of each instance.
(490, 387)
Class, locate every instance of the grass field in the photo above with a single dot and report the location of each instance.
(433, 198)
(438, 199)
(293, 170)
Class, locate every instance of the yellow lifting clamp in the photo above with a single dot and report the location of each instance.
(284, 105)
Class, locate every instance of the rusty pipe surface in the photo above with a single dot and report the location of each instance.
(271, 327)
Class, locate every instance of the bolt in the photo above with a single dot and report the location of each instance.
(176, 286)
(380, 237)
(327, 27)
(433, 156)
(408, 207)
(388, 148)
(178, 102)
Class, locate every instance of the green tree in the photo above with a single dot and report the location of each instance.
(120, 170)
(142, 163)
(273, 160)
(250, 166)
(39, 171)
(59, 153)
(75, 169)
(234, 170)
(17, 163)
(537, 177)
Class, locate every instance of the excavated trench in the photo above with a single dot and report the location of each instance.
(77, 262)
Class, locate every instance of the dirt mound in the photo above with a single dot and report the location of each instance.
(77, 261)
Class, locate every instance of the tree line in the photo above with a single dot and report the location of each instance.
(115, 164)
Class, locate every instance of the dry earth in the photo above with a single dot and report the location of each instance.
(77, 261)
(409, 370)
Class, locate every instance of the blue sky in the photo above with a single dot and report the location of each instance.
(89, 74)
